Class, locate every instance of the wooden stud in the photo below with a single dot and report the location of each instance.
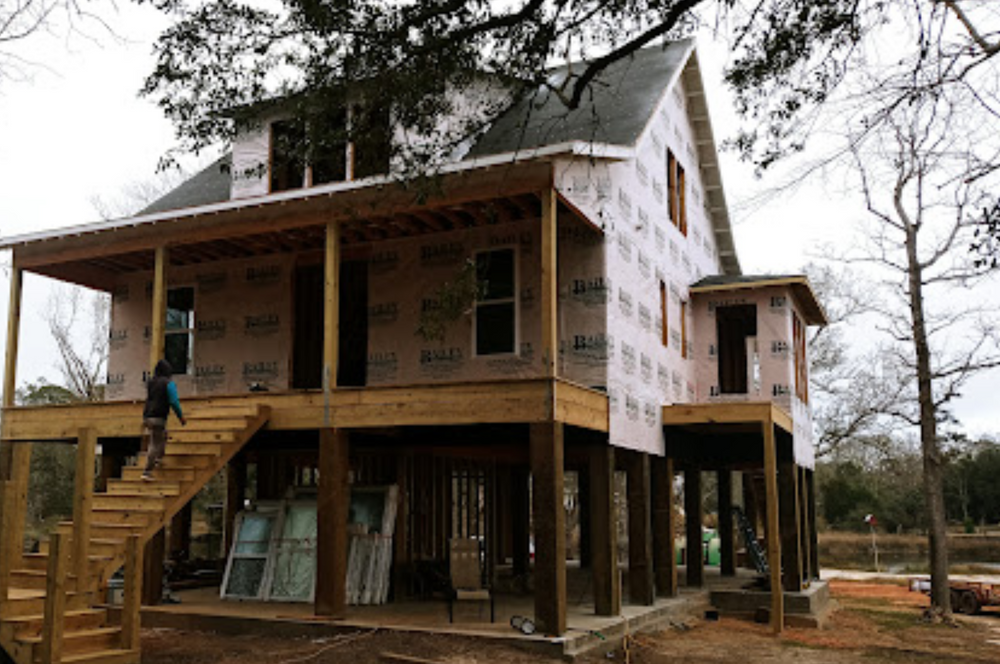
(152, 574)
(805, 539)
(159, 322)
(549, 518)
(179, 546)
(331, 312)
(6, 492)
(401, 534)
(131, 604)
(236, 491)
(55, 600)
(727, 538)
(549, 277)
(16, 507)
(811, 510)
(641, 585)
(693, 512)
(604, 531)
(13, 334)
(788, 513)
(520, 522)
(664, 527)
(332, 505)
(83, 503)
(773, 527)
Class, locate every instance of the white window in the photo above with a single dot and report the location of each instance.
(495, 327)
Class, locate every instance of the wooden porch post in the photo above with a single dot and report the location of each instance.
(641, 587)
(773, 527)
(157, 340)
(332, 506)
(520, 508)
(400, 541)
(5, 563)
(550, 527)
(83, 502)
(604, 530)
(727, 540)
(805, 529)
(236, 491)
(693, 512)
(331, 315)
(15, 458)
(180, 534)
(664, 527)
(811, 508)
(788, 513)
(152, 573)
(55, 600)
(131, 603)
(550, 305)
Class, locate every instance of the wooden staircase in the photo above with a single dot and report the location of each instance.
(129, 507)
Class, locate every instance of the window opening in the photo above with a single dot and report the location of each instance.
(179, 333)
(676, 197)
(288, 167)
(801, 366)
(495, 326)
(663, 314)
(734, 325)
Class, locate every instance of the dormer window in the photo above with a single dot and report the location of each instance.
(314, 152)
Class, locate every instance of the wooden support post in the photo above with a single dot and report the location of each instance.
(788, 513)
(750, 509)
(16, 507)
(773, 527)
(641, 583)
(550, 527)
(332, 505)
(583, 510)
(5, 566)
(157, 340)
(693, 514)
(811, 509)
(331, 315)
(604, 531)
(550, 288)
(727, 539)
(55, 600)
(131, 601)
(401, 536)
(13, 335)
(664, 527)
(83, 504)
(805, 539)
(521, 521)
(179, 547)
(236, 492)
(152, 574)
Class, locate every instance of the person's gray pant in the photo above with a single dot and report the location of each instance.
(155, 432)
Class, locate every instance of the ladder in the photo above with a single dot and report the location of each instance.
(750, 541)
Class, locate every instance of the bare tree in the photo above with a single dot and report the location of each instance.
(79, 323)
(24, 20)
(914, 178)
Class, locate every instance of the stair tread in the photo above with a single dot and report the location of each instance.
(71, 613)
(77, 633)
(98, 655)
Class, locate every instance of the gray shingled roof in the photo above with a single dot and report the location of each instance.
(615, 110)
(210, 185)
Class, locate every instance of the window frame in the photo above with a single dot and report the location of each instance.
(684, 332)
(177, 331)
(676, 193)
(514, 299)
(664, 323)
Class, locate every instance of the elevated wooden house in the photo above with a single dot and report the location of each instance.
(611, 330)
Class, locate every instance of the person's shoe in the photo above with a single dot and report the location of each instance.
(146, 477)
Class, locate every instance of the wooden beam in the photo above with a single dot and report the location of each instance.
(788, 513)
(236, 491)
(604, 530)
(13, 334)
(332, 505)
(664, 527)
(641, 581)
(131, 603)
(549, 286)
(521, 522)
(693, 512)
(811, 509)
(727, 538)
(152, 564)
(773, 527)
(157, 339)
(331, 312)
(55, 600)
(805, 539)
(83, 503)
(549, 518)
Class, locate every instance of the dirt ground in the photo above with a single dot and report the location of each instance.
(873, 623)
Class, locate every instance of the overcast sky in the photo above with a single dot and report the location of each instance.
(77, 130)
